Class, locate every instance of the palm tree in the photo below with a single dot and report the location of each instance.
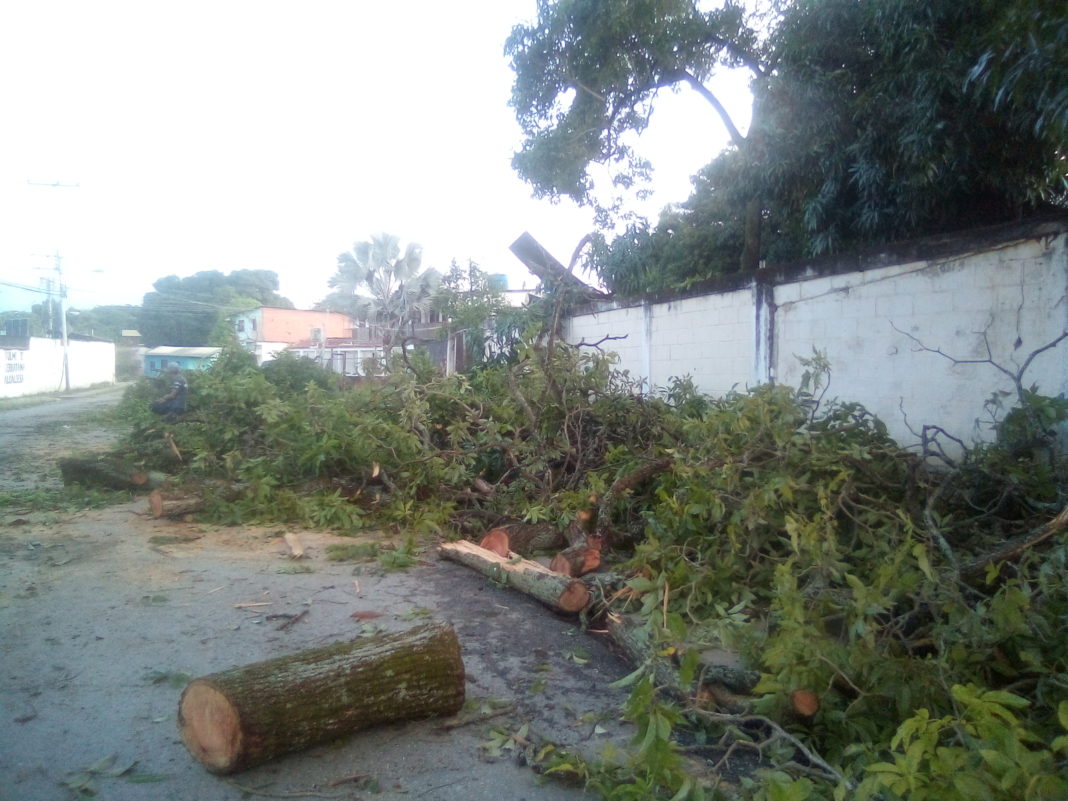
(374, 282)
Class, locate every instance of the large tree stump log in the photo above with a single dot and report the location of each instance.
(249, 715)
(561, 593)
(106, 471)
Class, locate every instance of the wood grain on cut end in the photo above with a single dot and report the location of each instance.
(210, 726)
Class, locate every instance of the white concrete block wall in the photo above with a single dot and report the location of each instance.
(40, 367)
(1017, 294)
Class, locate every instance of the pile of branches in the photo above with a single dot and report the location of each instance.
(920, 610)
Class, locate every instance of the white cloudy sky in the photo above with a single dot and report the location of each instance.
(261, 134)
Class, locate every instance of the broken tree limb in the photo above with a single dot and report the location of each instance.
(715, 666)
(246, 716)
(561, 593)
(620, 486)
(1014, 548)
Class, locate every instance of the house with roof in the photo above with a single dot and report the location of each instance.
(267, 331)
(188, 359)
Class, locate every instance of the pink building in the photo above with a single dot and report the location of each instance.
(266, 331)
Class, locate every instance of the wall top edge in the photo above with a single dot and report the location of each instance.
(929, 248)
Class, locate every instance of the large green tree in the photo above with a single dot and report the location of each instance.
(588, 73)
(377, 283)
(869, 122)
(195, 310)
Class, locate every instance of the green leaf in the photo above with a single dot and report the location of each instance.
(629, 679)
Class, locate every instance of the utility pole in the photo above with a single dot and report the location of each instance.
(63, 322)
(62, 292)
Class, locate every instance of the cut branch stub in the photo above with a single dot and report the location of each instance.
(246, 716)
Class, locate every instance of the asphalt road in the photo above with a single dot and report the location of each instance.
(106, 613)
(35, 435)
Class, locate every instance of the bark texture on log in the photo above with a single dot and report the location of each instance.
(173, 507)
(561, 593)
(527, 538)
(107, 472)
(233, 720)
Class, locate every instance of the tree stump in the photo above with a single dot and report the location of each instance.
(239, 718)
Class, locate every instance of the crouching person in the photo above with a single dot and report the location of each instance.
(173, 403)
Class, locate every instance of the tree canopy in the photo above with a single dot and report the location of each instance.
(872, 120)
(195, 311)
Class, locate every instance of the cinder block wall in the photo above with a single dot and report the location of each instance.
(986, 300)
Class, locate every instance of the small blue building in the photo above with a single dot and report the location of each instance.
(156, 359)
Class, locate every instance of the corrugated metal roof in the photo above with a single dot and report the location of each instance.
(192, 353)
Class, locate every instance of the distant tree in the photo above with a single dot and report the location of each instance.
(470, 300)
(374, 282)
(195, 311)
(105, 322)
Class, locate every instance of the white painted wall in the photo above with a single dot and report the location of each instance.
(40, 367)
(1012, 299)
(1017, 293)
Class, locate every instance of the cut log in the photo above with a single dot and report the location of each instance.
(105, 471)
(496, 540)
(174, 507)
(246, 716)
(579, 559)
(804, 704)
(561, 593)
(526, 539)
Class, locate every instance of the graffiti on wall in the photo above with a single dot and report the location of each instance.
(14, 367)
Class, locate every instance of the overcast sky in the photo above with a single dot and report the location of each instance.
(259, 134)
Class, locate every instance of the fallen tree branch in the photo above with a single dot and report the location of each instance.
(562, 593)
(1014, 548)
(621, 485)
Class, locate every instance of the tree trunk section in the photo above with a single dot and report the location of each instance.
(246, 716)
(173, 507)
(527, 538)
(562, 593)
(107, 472)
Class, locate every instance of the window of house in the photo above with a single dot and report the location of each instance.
(240, 326)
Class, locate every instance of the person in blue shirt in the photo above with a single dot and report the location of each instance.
(173, 403)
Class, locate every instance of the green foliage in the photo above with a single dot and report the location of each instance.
(471, 300)
(290, 374)
(194, 311)
(784, 525)
(872, 121)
